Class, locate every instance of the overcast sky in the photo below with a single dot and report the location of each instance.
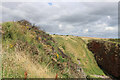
(90, 19)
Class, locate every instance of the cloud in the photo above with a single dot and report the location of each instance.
(85, 31)
(60, 26)
(108, 17)
(109, 28)
(61, 1)
(91, 19)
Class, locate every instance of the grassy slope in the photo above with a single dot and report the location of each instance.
(77, 49)
(15, 62)
(25, 48)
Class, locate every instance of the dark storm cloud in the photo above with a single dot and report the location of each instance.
(73, 18)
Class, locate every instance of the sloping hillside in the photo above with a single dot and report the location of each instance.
(26, 49)
(76, 48)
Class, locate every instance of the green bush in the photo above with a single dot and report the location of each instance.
(40, 46)
(63, 47)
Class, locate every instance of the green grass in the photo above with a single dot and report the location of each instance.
(72, 46)
(76, 48)
(15, 33)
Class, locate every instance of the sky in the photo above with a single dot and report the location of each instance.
(90, 19)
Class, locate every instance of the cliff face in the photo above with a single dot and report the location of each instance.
(107, 55)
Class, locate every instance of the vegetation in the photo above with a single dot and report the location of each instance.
(19, 40)
(26, 48)
(115, 40)
(76, 48)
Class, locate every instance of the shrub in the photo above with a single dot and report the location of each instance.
(63, 47)
(48, 42)
(40, 46)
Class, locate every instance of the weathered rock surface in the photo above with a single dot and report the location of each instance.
(107, 55)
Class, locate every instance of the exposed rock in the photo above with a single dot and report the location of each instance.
(107, 55)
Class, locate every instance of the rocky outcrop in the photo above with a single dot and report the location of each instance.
(107, 55)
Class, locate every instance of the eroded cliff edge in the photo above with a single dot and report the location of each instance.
(107, 55)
